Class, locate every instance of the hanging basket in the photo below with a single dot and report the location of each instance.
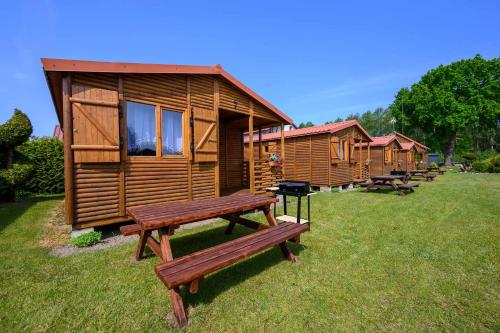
(274, 164)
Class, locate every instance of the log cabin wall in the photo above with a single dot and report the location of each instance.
(106, 182)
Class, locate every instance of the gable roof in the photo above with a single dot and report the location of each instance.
(418, 144)
(382, 141)
(51, 66)
(407, 145)
(320, 129)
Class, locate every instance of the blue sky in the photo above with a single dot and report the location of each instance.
(314, 60)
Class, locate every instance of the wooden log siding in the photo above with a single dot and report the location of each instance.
(107, 186)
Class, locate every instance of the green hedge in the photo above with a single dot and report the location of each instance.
(47, 157)
(489, 165)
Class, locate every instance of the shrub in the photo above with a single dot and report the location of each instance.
(434, 165)
(14, 132)
(13, 178)
(481, 166)
(47, 155)
(87, 239)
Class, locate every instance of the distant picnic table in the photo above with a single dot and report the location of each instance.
(421, 174)
(190, 269)
(389, 182)
(436, 169)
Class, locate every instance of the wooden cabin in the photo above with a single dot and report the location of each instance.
(407, 156)
(137, 134)
(417, 155)
(384, 155)
(325, 155)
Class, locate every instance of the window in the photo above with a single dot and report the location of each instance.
(171, 127)
(141, 129)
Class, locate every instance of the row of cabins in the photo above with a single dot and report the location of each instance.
(137, 134)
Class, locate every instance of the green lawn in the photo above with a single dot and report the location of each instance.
(372, 262)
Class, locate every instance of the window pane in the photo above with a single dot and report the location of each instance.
(141, 129)
(171, 132)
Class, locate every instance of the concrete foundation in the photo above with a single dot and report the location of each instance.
(325, 189)
(76, 233)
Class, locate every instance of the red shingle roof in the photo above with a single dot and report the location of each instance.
(328, 128)
(407, 145)
(64, 65)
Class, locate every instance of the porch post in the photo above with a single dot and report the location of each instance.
(368, 158)
(282, 149)
(251, 162)
(260, 144)
(360, 158)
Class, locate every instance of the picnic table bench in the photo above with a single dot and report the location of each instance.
(436, 169)
(421, 174)
(389, 182)
(190, 269)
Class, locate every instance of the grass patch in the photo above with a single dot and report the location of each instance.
(372, 262)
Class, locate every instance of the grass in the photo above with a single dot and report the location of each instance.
(429, 261)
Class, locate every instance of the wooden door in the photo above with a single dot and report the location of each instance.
(96, 136)
(204, 127)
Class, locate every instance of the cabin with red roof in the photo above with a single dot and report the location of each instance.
(384, 155)
(415, 154)
(137, 134)
(324, 155)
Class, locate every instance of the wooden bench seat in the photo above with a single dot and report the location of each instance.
(408, 186)
(192, 267)
(130, 229)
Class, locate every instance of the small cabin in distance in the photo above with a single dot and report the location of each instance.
(384, 155)
(137, 134)
(418, 156)
(324, 155)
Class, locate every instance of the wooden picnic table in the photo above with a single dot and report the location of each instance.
(436, 169)
(389, 182)
(423, 174)
(191, 268)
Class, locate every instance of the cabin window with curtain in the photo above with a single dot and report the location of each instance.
(171, 128)
(141, 129)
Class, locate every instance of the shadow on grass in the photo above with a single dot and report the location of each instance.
(388, 191)
(10, 211)
(222, 280)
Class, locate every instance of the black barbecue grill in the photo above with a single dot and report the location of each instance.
(296, 189)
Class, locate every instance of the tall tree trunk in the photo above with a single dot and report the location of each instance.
(9, 158)
(450, 149)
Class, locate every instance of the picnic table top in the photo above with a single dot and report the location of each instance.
(387, 177)
(156, 216)
(418, 171)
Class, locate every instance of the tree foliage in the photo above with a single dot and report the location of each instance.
(13, 132)
(304, 125)
(376, 123)
(48, 156)
(451, 102)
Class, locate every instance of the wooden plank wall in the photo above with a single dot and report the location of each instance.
(103, 191)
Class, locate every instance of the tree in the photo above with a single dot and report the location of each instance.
(449, 100)
(13, 133)
(308, 124)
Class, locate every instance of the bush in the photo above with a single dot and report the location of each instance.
(481, 166)
(489, 165)
(11, 179)
(47, 155)
(87, 239)
(434, 165)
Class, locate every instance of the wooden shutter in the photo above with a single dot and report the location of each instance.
(387, 151)
(204, 123)
(96, 135)
(352, 158)
(334, 149)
